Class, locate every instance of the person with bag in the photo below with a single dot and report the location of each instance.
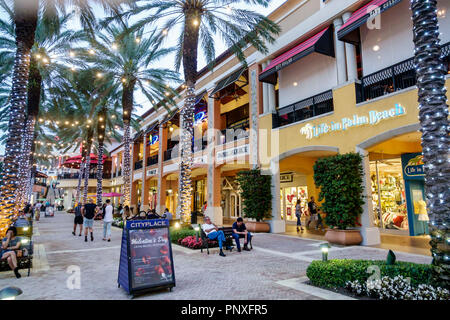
(298, 214)
(312, 208)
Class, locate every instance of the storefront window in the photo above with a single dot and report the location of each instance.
(289, 197)
(388, 195)
(199, 194)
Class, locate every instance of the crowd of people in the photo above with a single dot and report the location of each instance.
(312, 213)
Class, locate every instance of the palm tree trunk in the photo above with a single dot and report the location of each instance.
(99, 173)
(127, 105)
(25, 25)
(87, 167)
(80, 178)
(433, 117)
(190, 49)
(26, 166)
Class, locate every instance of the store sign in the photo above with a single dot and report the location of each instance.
(137, 175)
(146, 259)
(171, 167)
(371, 119)
(152, 172)
(413, 166)
(233, 152)
(286, 177)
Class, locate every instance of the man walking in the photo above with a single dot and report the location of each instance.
(313, 212)
(213, 233)
(89, 213)
(78, 219)
(107, 220)
(240, 231)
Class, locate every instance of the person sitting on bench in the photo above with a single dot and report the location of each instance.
(213, 233)
(9, 244)
(240, 231)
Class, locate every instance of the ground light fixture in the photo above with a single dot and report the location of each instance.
(10, 293)
(324, 247)
(177, 225)
(197, 229)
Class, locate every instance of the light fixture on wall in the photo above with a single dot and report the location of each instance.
(376, 48)
(295, 83)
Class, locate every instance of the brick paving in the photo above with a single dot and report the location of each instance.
(239, 276)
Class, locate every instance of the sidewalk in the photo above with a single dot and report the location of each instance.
(267, 272)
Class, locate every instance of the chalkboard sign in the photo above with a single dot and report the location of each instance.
(146, 261)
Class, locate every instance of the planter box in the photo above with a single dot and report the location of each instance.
(344, 237)
(255, 227)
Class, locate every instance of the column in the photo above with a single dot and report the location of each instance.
(265, 92)
(214, 210)
(271, 97)
(350, 54)
(277, 225)
(133, 196)
(254, 115)
(161, 195)
(339, 53)
(369, 233)
(144, 187)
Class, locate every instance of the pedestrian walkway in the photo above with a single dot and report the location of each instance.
(271, 271)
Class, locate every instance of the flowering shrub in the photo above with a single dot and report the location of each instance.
(117, 222)
(192, 242)
(397, 288)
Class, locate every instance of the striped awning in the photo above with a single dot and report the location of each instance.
(322, 42)
(349, 30)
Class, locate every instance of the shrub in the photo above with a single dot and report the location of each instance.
(256, 194)
(176, 234)
(397, 288)
(340, 181)
(336, 273)
(193, 243)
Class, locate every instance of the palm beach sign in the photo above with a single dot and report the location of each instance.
(372, 118)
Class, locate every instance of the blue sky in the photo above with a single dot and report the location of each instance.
(171, 41)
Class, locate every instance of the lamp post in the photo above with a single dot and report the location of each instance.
(324, 248)
(10, 293)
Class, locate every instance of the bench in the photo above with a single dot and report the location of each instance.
(25, 261)
(227, 231)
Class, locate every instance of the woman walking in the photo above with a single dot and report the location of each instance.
(298, 214)
(107, 220)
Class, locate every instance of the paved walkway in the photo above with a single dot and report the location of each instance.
(275, 269)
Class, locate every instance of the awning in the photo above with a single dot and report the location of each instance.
(322, 42)
(222, 84)
(349, 31)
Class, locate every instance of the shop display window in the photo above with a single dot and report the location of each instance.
(289, 197)
(388, 195)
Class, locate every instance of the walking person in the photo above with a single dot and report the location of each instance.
(107, 220)
(78, 219)
(89, 212)
(298, 214)
(41, 210)
(312, 207)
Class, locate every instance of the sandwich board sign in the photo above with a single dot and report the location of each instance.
(146, 261)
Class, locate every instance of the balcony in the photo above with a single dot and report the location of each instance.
(171, 153)
(72, 176)
(394, 78)
(138, 164)
(152, 160)
(304, 109)
(240, 131)
(199, 145)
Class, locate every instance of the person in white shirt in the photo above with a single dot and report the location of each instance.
(213, 233)
(107, 221)
(167, 215)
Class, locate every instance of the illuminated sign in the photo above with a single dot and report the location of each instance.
(199, 117)
(373, 118)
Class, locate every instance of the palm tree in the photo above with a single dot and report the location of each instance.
(199, 21)
(128, 59)
(433, 117)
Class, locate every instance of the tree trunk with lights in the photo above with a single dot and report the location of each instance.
(127, 105)
(87, 165)
(433, 117)
(101, 138)
(80, 174)
(25, 19)
(190, 46)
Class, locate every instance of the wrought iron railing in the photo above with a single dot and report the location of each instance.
(308, 108)
(235, 132)
(397, 77)
(152, 160)
(171, 153)
(138, 164)
(92, 175)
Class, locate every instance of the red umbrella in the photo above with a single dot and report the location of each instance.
(74, 162)
(112, 194)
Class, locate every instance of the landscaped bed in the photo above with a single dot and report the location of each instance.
(376, 279)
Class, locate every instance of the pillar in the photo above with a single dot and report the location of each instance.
(277, 225)
(265, 89)
(350, 54)
(340, 53)
(369, 233)
(271, 97)
(254, 115)
(214, 210)
(161, 195)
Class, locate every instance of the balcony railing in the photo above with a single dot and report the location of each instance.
(152, 160)
(304, 109)
(71, 176)
(237, 132)
(138, 164)
(391, 79)
(199, 145)
(168, 153)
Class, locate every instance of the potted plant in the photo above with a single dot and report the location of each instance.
(256, 199)
(340, 179)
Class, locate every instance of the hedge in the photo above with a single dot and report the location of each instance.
(335, 273)
(176, 234)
